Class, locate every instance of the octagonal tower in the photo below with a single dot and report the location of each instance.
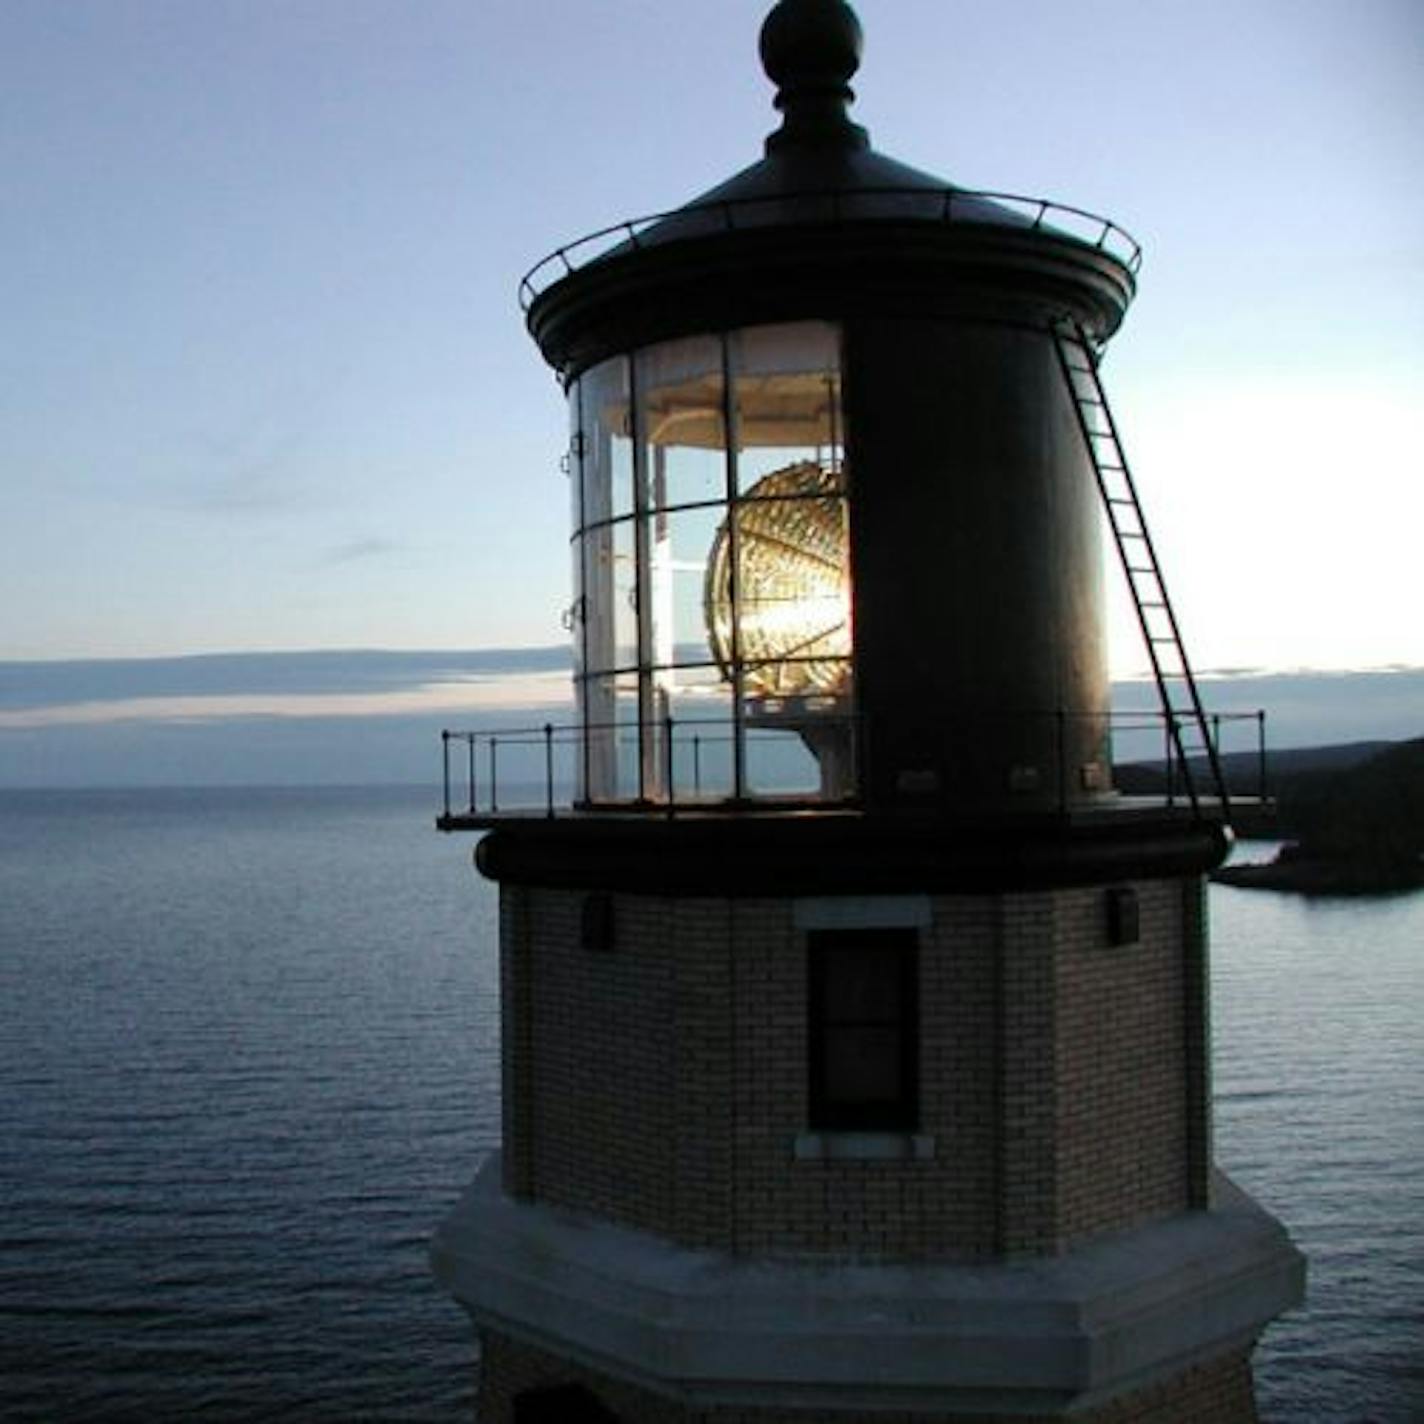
(855, 1036)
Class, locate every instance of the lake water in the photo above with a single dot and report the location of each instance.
(248, 1052)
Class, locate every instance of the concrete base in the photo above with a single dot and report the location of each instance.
(1046, 1336)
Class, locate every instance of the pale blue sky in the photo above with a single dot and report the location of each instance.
(264, 383)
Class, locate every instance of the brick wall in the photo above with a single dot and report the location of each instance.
(943, 1208)
(662, 1082)
(1120, 1067)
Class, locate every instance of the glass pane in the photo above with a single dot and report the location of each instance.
(607, 441)
(862, 978)
(779, 761)
(787, 398)
(610, 711)
(700, 703)
(680, 542)
(790, 548)
(597, 606)
(601, 473)
(863, 1027)
(595, 711)
(575, 618)
(625, 594)
(681, 421)
(793, 586)
(596, 567)
(863, 1065)
(573, 458)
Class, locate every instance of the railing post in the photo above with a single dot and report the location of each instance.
(1060, 755)
(668, 761)
(549, 770)
(696, 764)
(494, 773)
(470, 754)
(1169, 723)
(445, 768)
(1261, 755)
(1215, 751)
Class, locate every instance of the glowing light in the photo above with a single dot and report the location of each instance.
(777, 598)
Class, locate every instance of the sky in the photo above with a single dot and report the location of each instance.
(266, 385)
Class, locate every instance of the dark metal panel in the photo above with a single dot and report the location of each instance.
(738, 857)
(976, 565)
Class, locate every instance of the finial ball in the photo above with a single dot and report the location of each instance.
(810, 44)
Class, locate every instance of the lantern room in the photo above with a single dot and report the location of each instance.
(835, 521)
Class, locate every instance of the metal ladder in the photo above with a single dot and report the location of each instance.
(1187, 724)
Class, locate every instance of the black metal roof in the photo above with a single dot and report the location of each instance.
(816, 226)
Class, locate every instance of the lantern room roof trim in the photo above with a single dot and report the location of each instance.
(834, 206)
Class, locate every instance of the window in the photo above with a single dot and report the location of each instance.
(711, 617)
(864, 1030)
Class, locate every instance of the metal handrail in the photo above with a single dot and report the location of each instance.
(547, 794)
(952, 203)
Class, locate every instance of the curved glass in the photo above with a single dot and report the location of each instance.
(776, 585)
(710, 548)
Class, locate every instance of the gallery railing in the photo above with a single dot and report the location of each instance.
(517, 772)
(833, 206)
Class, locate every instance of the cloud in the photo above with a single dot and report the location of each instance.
(265, 718)
(464, 697)
(357, 550)
(279, 677)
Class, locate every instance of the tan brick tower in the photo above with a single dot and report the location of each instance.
(855, 1049)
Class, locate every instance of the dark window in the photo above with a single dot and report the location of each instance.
(864, 1030)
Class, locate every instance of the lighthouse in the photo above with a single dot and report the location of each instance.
(855, 1036)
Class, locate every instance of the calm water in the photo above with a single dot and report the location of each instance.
(248, 1055)
(1318, 1007)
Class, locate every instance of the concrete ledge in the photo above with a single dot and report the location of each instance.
(863, 1147)
(1010, 1338)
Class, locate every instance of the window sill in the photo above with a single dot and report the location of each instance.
(864, 1147)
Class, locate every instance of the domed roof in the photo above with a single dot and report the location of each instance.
(820, 199)
(811, 50)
